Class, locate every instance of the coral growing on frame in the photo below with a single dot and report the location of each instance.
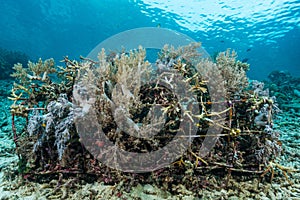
(43, 94)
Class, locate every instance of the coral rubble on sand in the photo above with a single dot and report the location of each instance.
(53, 160)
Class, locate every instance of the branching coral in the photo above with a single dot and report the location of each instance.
(138, 111)
(44, 102)
(35, 71)
(233, 71)
(33, 85)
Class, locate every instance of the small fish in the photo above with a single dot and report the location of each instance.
(245, 60)
(158, 25)
(222, 41)
(248, 49)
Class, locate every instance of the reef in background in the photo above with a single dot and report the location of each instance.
(7, 60)
(286, 89)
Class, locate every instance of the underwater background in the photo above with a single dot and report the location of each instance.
(266, 34)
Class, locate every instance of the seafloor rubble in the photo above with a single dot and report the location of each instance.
(246, 162)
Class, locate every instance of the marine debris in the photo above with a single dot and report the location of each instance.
(50, 148)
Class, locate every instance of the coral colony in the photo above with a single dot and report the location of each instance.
(49, 146)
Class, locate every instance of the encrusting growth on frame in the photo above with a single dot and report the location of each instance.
(43, 95)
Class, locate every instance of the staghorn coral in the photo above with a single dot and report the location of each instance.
(42, 96)
(33, 85)
(34, 71)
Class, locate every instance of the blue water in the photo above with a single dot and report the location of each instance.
(266, 33)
